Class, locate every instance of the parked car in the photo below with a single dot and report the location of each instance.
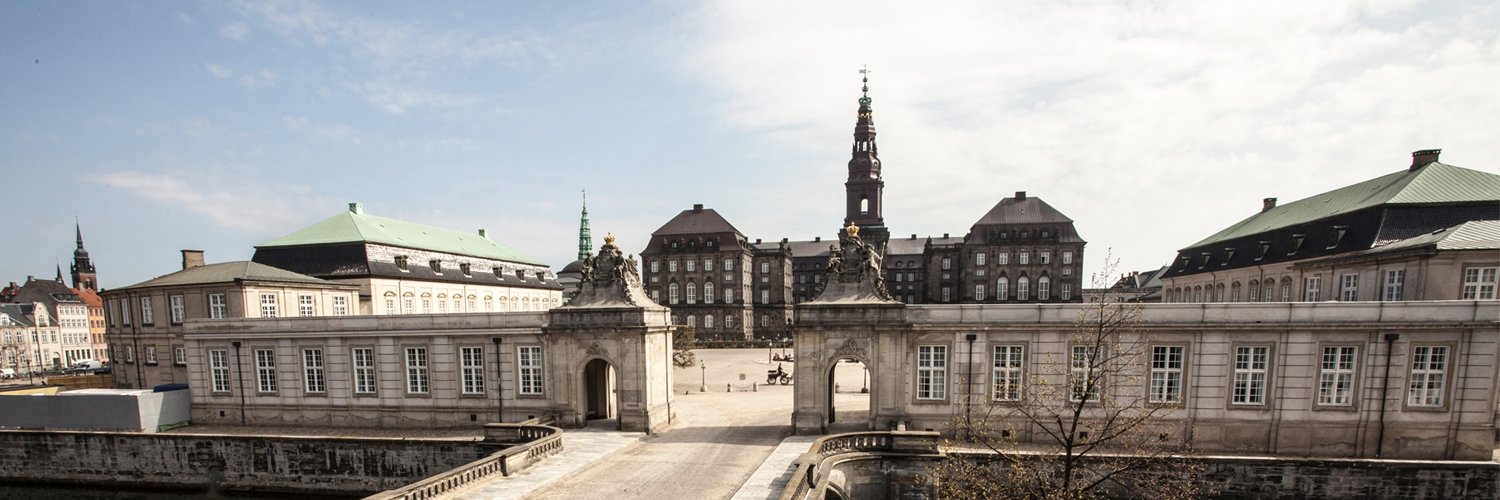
(87, 366)
(7, 373)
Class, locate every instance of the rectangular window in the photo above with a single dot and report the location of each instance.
(174, 305)
(1043, 288)
(129, 354)
(655, 266)
(1065, 291)
(728, 264)
(179, 356)
(1023, 288)
(708, 265)
(947, 294)
(150, 354)
(416, 370)
(1002, 258)
(313, 380)
(1007, 377)
(364, 370)
(979, 259)
(216, 306)
(1394, 281)
(1166, 374)
(1336, 376)
(147, 316)
(1311, 288)
(1023, 258)
(218, 370)
(471, 366)
(979, 292)
(728, 295)
(1429, 375)
(267, 305)
(1250, 365)
(341, 306)
(1084, 377)
(530, 368)
(305, 305)
(932, 372)
(765, 296)
(265, 370)
(1067, 257)
(692, 265)
(672, 266)
(1045, 256)
(1479, 284)
(765, 267)
(947, 263)
(1349, 287)
(125, 311)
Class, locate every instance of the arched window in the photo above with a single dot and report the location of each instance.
(458, 303)
(692, 292)
(672, 293)
(864, 204)
(1253, 291)
(1268, 289)
(708, 322)
(426, 303)
(442, 303)
(1198, 293)
(1002, 288)
(1043, 288)
(1219, 293)
(473, 305)
(1234, 292)
(1022, 288)
(390, 302)
(408, 303)
(728, 295)
(708, 293)
(1286, 289)
(692, 320)
(489, 303)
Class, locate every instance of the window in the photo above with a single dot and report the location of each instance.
(1349, 287)
(1394, 281)
(218, 370)
(765, 321)
(1065, 291)
(1002, 288)
(1067, 257)
(708, 292)
(692, 265)
(364, 370)
(728, 295)
(728, 278)
(1043, 288)
(692, 321)
(125, 311)
(728, 264)
(655, 296)
(765, 296)
(1083, 376)
(1254, 291)
(471, 369)
(150, 354)
(1286, 290)
(1250, 364)
(179, 356)
(313, 380)
(1022, 286)
(1002, 258)
(979, 292)
(708, 265)
(1479, 283)
(655, 266)
(947, 294)
(1310, 288)
(305, 305)
(672, 266)
(692, 292)
(1234, 292)
(979, 259)
(416, 370)
(1023, 257)
(401, 263)
(1429, 366)
(267, 305)
(672, 293)
(932, 372)
(765, 267)
(530, 358)
(464, 268)
(1045, 256)
(947, 263)
(1007, 377)
(129, 354)
(728, 321)
(265, 370)
(174, 309)
(147, 317)
(1166, 374)
(436, 265)
(1336, 376)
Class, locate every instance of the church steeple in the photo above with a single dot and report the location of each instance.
(83, 268)
(585, 237)
(864, 189)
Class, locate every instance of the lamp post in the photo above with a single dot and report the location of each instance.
(703, 373)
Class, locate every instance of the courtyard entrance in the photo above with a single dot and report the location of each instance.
(600, 394)
(848, 402)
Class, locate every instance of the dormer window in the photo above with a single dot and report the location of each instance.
(1336, 235)
(1185, 262)
(1260, 251)
(1228, 256)
(541, 276)
(1297, 240)
(464, 268)
(437, 265)
(1204, 259)
(401, 263)
(1024, 234)
(521, 275)
(1046, 234)
(499, 272)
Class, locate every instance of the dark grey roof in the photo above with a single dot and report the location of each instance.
(1030, 210)
(229, 272)
(49, 293)
(18, 314)
(1472, 235)
(697, 221)
(915, 246)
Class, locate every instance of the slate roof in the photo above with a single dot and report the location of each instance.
(47, 292)
(1031, 210)
(228, 272)
(915, 246)
(1433, 183)
(356, 226)
(697, 221)
(1472, 235)
(18, 314)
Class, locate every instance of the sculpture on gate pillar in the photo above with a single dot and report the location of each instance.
(854, 272)
(610, 279)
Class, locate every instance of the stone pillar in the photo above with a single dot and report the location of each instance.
(823, 334)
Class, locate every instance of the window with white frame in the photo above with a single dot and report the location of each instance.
(1067, 257)
(1002, 258)
(932, 372)
(530, 366)
(979, 259)
(1044, 256)
(174, 309)
(305, 304)
(765, 267)
(1479, 283)
(1336, 375)
(1250, 366)
(765, 296)
(1043, 288)
(728, 321)
(708, 321)
(1429, 376)
(1023, 257)
(1286, 290)
(947, 263)
(471, 369)
(147, 316)
(1022, 288)
(692, 321)
(268, 305)
(1065, 291)
(947, 294)
(672, 293)
(1394, 282)
(314, 379)
(655, 296)
(708, 265)
(265, 370)
(708, 291)
(364, 370)
(765, 321)
(655, 266)
(692, 265)
(1349, 288)
(217, 308)
(1002, 288)
(979, 291)
(1312, 288)
(692, 291)
(179, 356)
(1084, 377)
(416, 370)
(728, 264)
(672, 266)
(150, 354)
(218, 370)
(129, 354)
(1007, 376)
(1166, 374)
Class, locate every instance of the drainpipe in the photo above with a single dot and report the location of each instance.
(969, 386)
(135, 334)
(499, 387)
(1385, 385)
(239, 371)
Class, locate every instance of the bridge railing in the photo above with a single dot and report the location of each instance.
(534, 442)
(813, 466)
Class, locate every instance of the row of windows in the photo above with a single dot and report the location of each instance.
(1023, 257)
(364, 370)
(1479, 283)
(673, 297)
(708, 321)
(179, 355)
(409, 303)
(691, 265)
(464, 268)
(269, 303)
(1249, 383)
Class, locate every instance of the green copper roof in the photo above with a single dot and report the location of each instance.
(355, 226)
(227, 272)
(1434, 183)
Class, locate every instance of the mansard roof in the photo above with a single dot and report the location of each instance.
(1472, 235)
(697, 220)
(1431, 184)
(354, 226)
(229, 272)
(1022, 209)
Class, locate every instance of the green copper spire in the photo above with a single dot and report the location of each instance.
(585, 238)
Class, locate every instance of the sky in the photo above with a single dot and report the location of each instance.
(167, 125)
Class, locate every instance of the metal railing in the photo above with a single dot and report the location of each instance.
(536, 443)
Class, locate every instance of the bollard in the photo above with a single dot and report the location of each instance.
(754, 387)
(728, 388)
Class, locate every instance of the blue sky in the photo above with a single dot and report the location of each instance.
(217, 126)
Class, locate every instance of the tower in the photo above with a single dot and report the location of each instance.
(863, 190)
(585, 238)
(83, 269)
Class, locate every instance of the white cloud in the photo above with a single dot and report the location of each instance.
(234, 31)
(1151, 124)
(229, 198)
(262, 78)
(219, 71)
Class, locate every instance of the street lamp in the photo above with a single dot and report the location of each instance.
(703, 374)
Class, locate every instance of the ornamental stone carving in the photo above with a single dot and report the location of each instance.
(853, 272)
(596, 350)
(610, 279)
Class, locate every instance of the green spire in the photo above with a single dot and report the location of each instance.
(585, 238)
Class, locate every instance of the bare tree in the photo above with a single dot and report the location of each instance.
(1098, 420)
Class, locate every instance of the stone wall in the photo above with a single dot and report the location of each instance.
(262, 464)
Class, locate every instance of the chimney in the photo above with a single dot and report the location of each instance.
(817, 239)
(192, 259)
(1423, 157)
(697, 207)
(1267, 204)
(914, 236)
(483, 233)
(757, 240)
(1020, 196)
(356, 209)
(945, 235)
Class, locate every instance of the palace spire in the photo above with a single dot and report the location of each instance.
(585, 237)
